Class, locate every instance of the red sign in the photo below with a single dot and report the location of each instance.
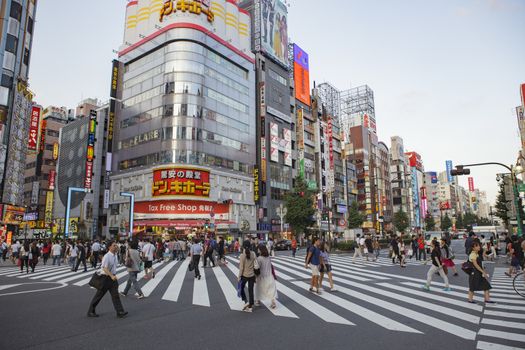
(89, 175)
(51, 180)
(43, 135)
(32, 143)
(471, 184)
(423, 192)
(181, 181)
(522, 90)
(181, 207)
(444, 205)
(414, 160)
(330, 143)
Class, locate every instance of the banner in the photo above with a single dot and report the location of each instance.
(181, 207)
(52, 175)
(92, 127)
(181, 181)
(32, 143)
(274, 142)
(256, 185)
(449, 169)
(49, 208)
(301, 74)
(471, 184)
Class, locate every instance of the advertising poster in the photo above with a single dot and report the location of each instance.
(449, 169)
(273, 30)
(181, 182)
(433, 177)
(90, 153)
(49, 208)
(32, 143)
(287, 133)
(471, 184)
(301, 75)
(274, 142)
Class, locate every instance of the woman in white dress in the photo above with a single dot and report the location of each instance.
(265, 288)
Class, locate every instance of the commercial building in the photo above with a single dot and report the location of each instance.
(384, 210)
(40, 171)
(182, 128)
(81, 165)
(399, 176)
(418, 190)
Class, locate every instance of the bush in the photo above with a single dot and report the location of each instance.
(346, 245)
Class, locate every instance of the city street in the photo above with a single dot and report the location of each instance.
(375, 303)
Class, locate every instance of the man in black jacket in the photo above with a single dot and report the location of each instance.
(81, 256)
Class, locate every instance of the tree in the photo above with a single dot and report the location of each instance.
(401, 221)
(501, 205)
(355, 218)
(300, 207)
(460, 225)
(430, 223)
(470, 219)
(446, 223)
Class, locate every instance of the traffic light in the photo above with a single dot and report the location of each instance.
(459, 171)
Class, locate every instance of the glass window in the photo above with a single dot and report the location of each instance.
(227, 101)
(16, 10)
(277, 77)
(11, 43)
(7, 81)
(30, 24)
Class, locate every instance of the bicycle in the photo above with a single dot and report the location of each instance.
(518, 283)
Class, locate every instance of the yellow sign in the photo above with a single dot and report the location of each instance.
(172, 6)
(49, 208)
(256, 185)
(55, 151)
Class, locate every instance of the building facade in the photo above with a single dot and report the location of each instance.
(183, 132)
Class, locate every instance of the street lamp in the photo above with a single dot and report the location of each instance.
(70, 190)
(281, 212)
(131, 207)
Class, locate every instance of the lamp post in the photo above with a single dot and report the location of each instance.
(70, 190)
(131, 207)
(281, 212)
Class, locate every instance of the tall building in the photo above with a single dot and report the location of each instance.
(418, 190)
(182, 128)
(275, 112)
(399, 176)
(358, 108)
(40, 172)
(17, 20)
(385, 209)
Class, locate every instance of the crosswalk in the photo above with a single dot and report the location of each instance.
(365, 295)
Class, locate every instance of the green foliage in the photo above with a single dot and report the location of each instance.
(446, 223)
(430, 223)
(501, 208)
(460, 224)
(401, 221)
(355, 218)
(300, 206)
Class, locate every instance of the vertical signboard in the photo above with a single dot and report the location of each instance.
(34, 192)
(263, 159)
(271, 29)
(256, 185)
(274, 142)
(415, 197)
(449, 169)
(301, 74)
(471, 184)
(49, 208)
(287, 133)
(32, 143)
(52, 175)
(92, 127)
(522, 93)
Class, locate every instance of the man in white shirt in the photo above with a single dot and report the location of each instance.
(148, 253)
(109, 270)
(95, 248)
(358, 250)
(15, 248)
(56, 250)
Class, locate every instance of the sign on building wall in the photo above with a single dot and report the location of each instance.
(471, 184)
(32, 143)
(181, 181)
(49, 208)
(274, 142)
(271, 30)
(301, 74)
(449, 169)
(92, 127)
(256, 185)
(287, 134)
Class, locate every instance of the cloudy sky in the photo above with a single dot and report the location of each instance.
(445, 74)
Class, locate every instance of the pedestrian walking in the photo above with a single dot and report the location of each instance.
(358, 248)
(46, 251)
(402, 251)
(247, 265)
(34, 254)
(313, 260)
(326, 267)
(183, 249)
(377, 247)
(415, 248)
(369, 246)
(394, 245)
(148, 255)
(468, 243)
(514, 248)
(95, 250)
(132, 262)
(478, 277)
(220, 252)
(208, 253)
(435, 257)
(265, 287)
(422, 250)
(15, 252)
(81, 249)
(294, 247)
(447, 257)
(237, 247)
(25, 250)
(56, 252)
(109, 271)
(195, 254)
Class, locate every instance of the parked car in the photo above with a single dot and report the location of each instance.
(285, 244)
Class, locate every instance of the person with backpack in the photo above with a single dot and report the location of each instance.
(435, 257)
(313, 260)
(208, 253)
(478, 277)
(369, 249)
(132, 262)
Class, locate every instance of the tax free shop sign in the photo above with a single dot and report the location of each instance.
(181, 209)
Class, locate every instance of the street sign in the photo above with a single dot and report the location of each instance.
(521, 187)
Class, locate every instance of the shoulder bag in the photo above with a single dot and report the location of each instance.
(97, 280)
(129, 261)
(256, 268)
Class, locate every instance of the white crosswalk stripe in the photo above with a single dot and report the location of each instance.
(399, 303)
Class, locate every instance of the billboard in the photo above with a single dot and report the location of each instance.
(274, 142)
(13, 215)
(433, 177)
(522, 93)
(415, 197)
(471, 184)
(271, 32)
(301, 73)
(90, 151)
(32, 142)
(449, 169)
(181, 181)
(414, 160)
(287, 134)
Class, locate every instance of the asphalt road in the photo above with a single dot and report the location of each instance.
(377, 306)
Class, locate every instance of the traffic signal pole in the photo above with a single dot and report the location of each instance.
(461, 171)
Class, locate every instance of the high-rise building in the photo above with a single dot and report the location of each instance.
(17, 20)
(182, 128)
(418, 190)
(399, 176)
(358, 108)
(384, 210)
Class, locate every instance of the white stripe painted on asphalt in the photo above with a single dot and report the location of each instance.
(150, 286)
(229, 291)
(18, 273)
(506, 307)
(77, 276)
(9, 270)
(503, 314)
(363, 312)
(428, 295)
(501, 323)
(200, 290)
(140, 275)
(280, 309)
(7, 286)
(41, 274)
(481, 345)
(173, 291)
(503, 335)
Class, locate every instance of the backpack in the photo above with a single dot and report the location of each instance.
(213, 244)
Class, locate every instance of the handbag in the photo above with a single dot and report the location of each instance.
(256, 268)
(97, 281)
(467, 267)
(128, 262)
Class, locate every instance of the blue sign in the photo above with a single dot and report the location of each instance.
(433, 177)
(449, 169)
(415, 197)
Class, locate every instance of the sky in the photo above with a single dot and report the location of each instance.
(445, 74)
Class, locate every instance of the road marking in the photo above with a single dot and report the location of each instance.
(200, 290)
(41, 274)
(36, 290)
(86, 280)
(481, 345)
(7, 286)
(148, 288)
(62, 274)
(173, 291)
(501, 323)
(503, 335)
(140, 276)
(25, 274)
(503, 314)
(75, 277)
(229, 291)
(506, 307)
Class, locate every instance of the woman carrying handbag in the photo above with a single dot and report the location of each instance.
(132, 262)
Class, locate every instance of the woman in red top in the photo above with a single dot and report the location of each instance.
(46, 251)
(422, 250)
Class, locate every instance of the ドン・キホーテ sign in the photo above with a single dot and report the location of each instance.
(181, 181)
